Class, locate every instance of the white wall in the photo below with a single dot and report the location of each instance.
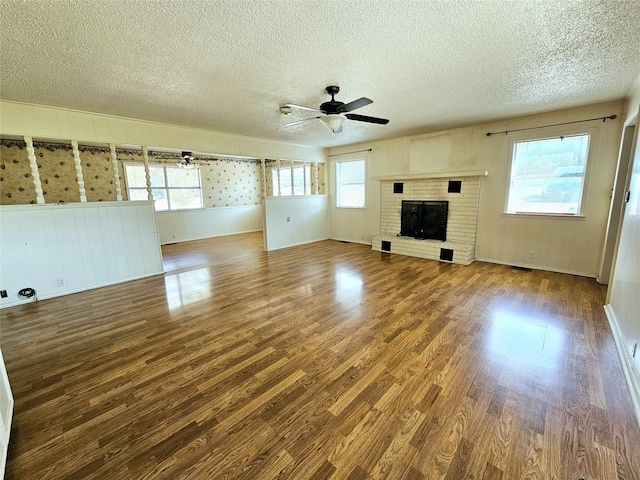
(623, 308)
(89, 245)
(571, 245)
(185, 225)
(356, 225)
(294, 220)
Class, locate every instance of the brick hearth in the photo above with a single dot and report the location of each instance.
(461, 226)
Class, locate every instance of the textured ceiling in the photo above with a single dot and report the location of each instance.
(228, 65)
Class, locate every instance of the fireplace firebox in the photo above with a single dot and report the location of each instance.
(424, 219)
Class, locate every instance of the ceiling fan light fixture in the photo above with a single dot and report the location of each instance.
(333, 122)
(186, 161)
(186, 164)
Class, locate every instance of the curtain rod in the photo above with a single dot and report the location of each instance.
(506, 132)
(348, 153)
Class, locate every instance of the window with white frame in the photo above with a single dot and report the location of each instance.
(301, 180)
(173, 188)
(350, 184)
(547, 175)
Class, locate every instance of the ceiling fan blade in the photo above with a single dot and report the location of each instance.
(292, 105)
(301, 121)
(363, 118)
(359, 103)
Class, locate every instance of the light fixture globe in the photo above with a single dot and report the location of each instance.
(333, 122)
(187, 161)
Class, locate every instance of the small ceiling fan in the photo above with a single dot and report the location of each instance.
(332, 110)
(189, 161)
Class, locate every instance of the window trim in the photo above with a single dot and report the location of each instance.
(364, 183)
(557, 133)
(276, 183)
(166, 186)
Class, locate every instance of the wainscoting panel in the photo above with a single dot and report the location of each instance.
(61, 249)
(185, 225)
(295, 220)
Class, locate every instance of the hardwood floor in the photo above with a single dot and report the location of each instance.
(321, 361)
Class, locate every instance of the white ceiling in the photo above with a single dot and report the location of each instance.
(228, 65)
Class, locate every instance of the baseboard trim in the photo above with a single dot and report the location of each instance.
(193, 239)
(632, 384)
(536, 267)
(297, 244)
(346, 240)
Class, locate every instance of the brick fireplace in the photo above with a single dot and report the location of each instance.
(460, 189)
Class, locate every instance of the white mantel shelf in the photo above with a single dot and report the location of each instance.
(420, 176)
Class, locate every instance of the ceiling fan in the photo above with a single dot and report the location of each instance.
(189, 161)
(332, 110)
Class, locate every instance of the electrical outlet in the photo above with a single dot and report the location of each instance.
(3, 294)
(61, 282)
(175, 236)
(530, 255)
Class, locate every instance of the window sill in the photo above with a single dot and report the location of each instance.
(544, 215)
(180, 210)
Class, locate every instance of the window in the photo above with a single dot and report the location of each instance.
(301, 179)
(172, 187)
(350, 184)
(547, 175)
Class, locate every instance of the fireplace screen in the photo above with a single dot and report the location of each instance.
(424, 219)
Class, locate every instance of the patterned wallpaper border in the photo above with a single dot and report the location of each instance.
(226, 181)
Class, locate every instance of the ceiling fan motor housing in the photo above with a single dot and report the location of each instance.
(333, 106)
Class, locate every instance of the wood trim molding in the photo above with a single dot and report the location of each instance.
(632, 384)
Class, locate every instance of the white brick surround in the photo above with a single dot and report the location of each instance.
(461, 225)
